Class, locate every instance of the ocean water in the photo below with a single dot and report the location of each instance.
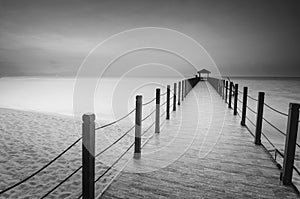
(112, 97)
(279, 92)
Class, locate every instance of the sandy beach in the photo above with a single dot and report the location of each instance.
(29, 140)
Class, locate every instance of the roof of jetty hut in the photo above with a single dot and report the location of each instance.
(204, 71)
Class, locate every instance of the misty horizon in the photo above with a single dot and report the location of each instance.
(244, 38)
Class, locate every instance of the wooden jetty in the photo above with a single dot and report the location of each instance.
(201, 152)
(197, 148)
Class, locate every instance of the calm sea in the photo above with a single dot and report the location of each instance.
(114, 97)
(279, 92)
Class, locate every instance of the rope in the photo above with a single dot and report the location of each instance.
(115, 141)
(252, 98)
(251, 110)
(145, 104)
(163, 103)
(240, 100)
(274, 126)
(67, 178)
(148, 128)
(275, 110)
(297, 171)
(122, 156)
(162, 114)
(115, 162)
(239, 109)
(148, 115)
(268, 140)
(163, 94)
(250, 121)
(106, 125)
(41, 169)
(240, 91)
(248, 127)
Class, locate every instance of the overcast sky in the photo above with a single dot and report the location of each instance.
(246, 38)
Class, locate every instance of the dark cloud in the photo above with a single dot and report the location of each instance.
(244, 37)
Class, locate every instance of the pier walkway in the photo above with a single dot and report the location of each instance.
(201, 152)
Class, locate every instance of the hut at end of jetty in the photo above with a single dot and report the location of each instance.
(203, 71)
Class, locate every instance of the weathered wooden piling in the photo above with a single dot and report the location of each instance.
(174, 97)
(138, 127)
(182, 97)
(168, 103)
(244, 108)
(179, 89)
(259, 117)
(236, 93)
(157, 112)
(230, 94)
(226, 91)
(88, 156)
(223, 89)
(185, 86)
(290, 143)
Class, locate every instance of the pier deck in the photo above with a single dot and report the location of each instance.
(201, 152)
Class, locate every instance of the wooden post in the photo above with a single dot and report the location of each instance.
(244, 109)
(138, 127)
(185, 88)
(182, 91)
(259, 117)
(226, 91)
(218, 86)
(179, 88)
(174, 97)
(290, 143)
(230, 94)
(88, 156)
(236, 91)
(157, 112)
(223, 84)
(168, 103)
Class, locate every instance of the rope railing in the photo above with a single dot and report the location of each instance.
(148, 115)
(292, 129)
(122, 155)
(282, 133)
(268, 140)
(116, 121)
(239, 109)
(277, 111)
(114, 163)
(116, 141)
(251, 122)
(253, 111)
(149, 127)
(252, 98)
(163, 93)
(163, 113)
(41, 169)
(163, 103)
(104, 150)
(61, 154)
(149, 102)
